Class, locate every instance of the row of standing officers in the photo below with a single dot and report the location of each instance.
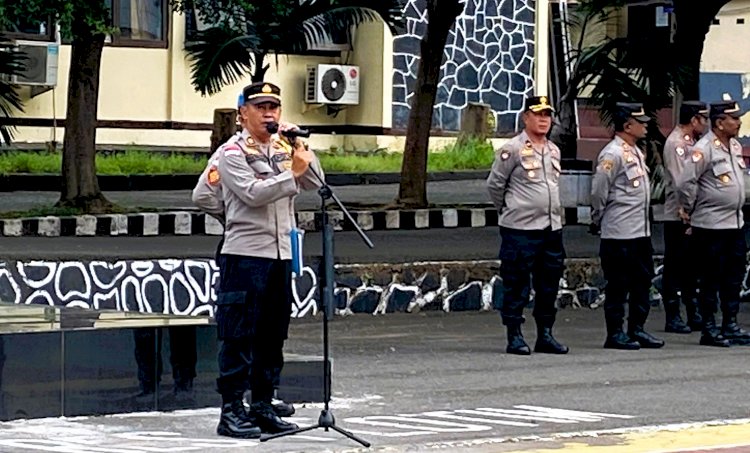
(705, 192)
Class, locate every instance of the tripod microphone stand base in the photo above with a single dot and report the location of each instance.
(325, 421)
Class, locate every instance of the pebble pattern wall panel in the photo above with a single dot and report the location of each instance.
(488, 58)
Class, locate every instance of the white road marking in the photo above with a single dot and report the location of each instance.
(523, 415)
(79, 435)
(574, 414)
(458, 444)
(411, 422)
(448, 415)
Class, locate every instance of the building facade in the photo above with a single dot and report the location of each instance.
(146, 97)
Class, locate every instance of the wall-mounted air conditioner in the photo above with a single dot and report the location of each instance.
(40, 64)
(332, 84)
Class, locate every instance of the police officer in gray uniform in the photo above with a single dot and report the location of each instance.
(524, 186)
(620, 199)
(712, 192)
(679, 267)
(207, 195)
(259, 178)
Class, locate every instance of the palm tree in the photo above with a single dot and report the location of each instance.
(614, 70)
(11, 64)
(241, 34)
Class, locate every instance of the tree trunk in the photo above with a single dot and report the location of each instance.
(259, 69)
(693, 20)
(225, 125)
(80, 186)
(564, 131)
(413, 186)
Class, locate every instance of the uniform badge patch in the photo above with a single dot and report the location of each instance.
(697, 156)
(607, 165)
(680, 151)
(717, 143)
(504, 155)
(527, 152)
(724, 178)
(213, 176)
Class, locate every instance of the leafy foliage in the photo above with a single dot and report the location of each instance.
(11, 64)
(241, 33)
(470, 155)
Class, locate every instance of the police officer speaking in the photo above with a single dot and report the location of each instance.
(712, 192)
(259, 176)
(620, 199)
(207, 196)
(679, 268)
(524, 186)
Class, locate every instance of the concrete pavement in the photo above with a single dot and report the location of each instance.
(441, 193)
(431, 382)
(393, 246)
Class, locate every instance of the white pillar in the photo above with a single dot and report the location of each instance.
(541, 48)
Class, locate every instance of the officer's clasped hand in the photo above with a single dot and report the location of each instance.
(301, 160)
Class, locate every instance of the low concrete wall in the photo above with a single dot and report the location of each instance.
(188, 287)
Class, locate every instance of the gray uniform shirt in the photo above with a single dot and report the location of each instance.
(712, 187)
(620, 192)
(524, 185)
(207, 194)
(259, 191)
(677, 150)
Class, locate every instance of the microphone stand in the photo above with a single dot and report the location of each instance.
(326, 419)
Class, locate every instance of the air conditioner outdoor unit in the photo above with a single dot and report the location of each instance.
(40, 65)
(332, 84)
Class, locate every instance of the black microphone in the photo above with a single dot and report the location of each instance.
(273, 127)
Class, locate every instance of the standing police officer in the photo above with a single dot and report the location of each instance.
(679, 273)
(620, 199)
(712, 192)
(207, 195)
(259, 177)
(524, 186)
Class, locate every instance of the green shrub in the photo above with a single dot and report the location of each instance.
(467, 155)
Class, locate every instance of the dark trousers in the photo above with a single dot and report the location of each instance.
(182, 356)
(252, 315)
(530, 257)
(628, 267)
(679, 264)
(721, 258)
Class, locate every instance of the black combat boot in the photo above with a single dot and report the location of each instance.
(516, 344)
(265, 418)
(733, 332)
(545, 342)
(234, 422)
(645, 339)
(281, 407)
(616, 338)
(710, 336)
(694, 318)
(674, 322)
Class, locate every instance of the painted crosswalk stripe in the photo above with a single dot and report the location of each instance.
(450, 416)
(570, 413)
(524, 415)
(413, 423)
